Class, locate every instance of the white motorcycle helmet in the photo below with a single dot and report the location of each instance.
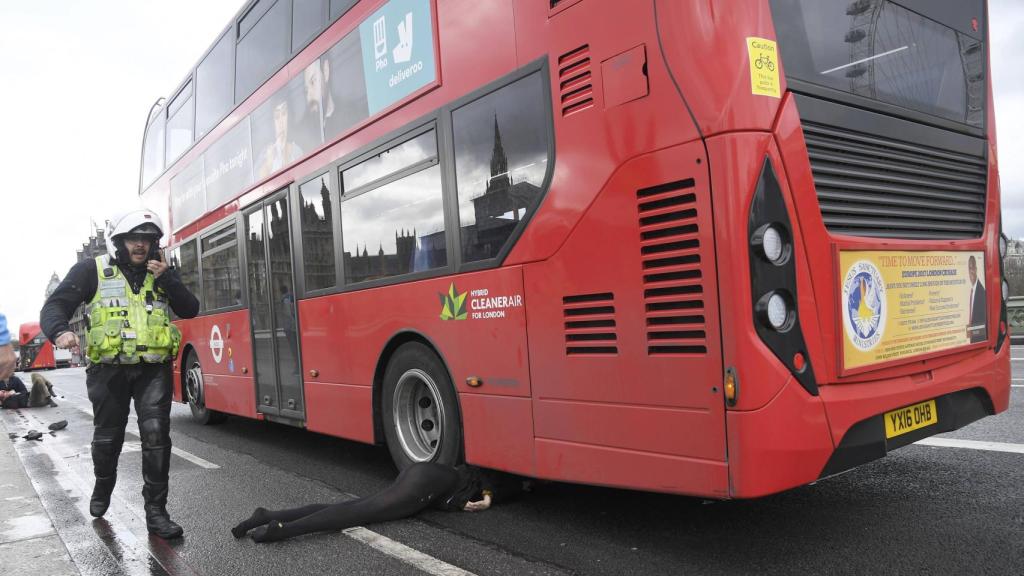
(138, 221)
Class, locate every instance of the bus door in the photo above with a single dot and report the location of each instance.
(272, 309)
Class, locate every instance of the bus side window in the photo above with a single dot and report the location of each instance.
(317, 220)
(185, 259)
(263, 45)
(222, 285)
(501, 157)
(392, 212)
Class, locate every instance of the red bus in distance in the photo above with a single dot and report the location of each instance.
(701, 248)
(36, 352)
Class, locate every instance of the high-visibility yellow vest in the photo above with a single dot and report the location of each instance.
(125, 327)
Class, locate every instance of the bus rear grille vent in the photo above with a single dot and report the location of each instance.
(575, 84)
(590, 324)
(673, 279)
(870, 185)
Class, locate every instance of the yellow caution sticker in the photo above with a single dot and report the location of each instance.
(764, 67)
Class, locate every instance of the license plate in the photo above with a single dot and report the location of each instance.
(910, 418)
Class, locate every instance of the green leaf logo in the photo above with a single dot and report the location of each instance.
(453, 304)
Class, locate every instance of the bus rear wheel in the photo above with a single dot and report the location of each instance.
(420, 409)
(194, 393)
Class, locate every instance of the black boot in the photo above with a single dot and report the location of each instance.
(157, 520)
(153, 405)
(156, 459)
(100, 500)
(106, 447)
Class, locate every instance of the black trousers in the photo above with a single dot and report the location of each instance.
(419, 486)
(111, 388)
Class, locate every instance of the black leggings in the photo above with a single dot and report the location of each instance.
(416, 488)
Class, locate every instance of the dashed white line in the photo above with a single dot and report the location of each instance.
(410, 556)
(973, 445)
(174, 449)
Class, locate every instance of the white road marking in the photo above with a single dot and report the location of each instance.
(410, 556)
(194, 459)
(973, 445)
(174, 449)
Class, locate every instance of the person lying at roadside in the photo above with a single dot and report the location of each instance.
(420, 486)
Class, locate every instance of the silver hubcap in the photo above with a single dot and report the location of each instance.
(418, 415)
(194, 385)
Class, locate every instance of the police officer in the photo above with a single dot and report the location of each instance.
(131, 342)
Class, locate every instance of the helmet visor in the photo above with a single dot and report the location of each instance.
(146, 229)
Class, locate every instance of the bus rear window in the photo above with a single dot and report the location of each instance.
(878, 49)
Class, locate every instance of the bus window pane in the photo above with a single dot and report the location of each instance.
(179, 130)
(501, 156)
(221, 284)
(285, 127)
(339, 7)
(395, 229)
(308, 18)
(345, 103)
(153, 151)
(188, 266)
(317, 220)
(262, 50)
(185, 259)
(880, 50)
(419, 149)
(259, 8)
(214, 95)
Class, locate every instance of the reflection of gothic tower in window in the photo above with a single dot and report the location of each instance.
(318, 239)
(498, 210)
(500, 179)
(494, 207)
(405, 245)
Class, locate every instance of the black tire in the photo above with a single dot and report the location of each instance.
(419, 408)
(192, 390)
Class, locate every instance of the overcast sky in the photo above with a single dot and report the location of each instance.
(77, 79)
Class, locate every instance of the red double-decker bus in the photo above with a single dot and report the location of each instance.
(35, 351)
(714, 248)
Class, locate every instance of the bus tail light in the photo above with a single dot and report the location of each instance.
(773, 279)
(799, 362)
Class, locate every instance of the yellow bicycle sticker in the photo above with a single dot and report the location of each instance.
(764, 67)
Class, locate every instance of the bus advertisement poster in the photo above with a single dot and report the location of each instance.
(897, 305)
(398, 51)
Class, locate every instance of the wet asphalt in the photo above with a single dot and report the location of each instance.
(920, 510)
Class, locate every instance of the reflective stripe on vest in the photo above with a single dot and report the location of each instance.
(125, 327)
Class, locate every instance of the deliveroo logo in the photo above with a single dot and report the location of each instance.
(453, 304)
(397, 44)
(403, 51)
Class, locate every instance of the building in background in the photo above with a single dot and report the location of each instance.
(1013, 266)
(52, 285)
(95, 246)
